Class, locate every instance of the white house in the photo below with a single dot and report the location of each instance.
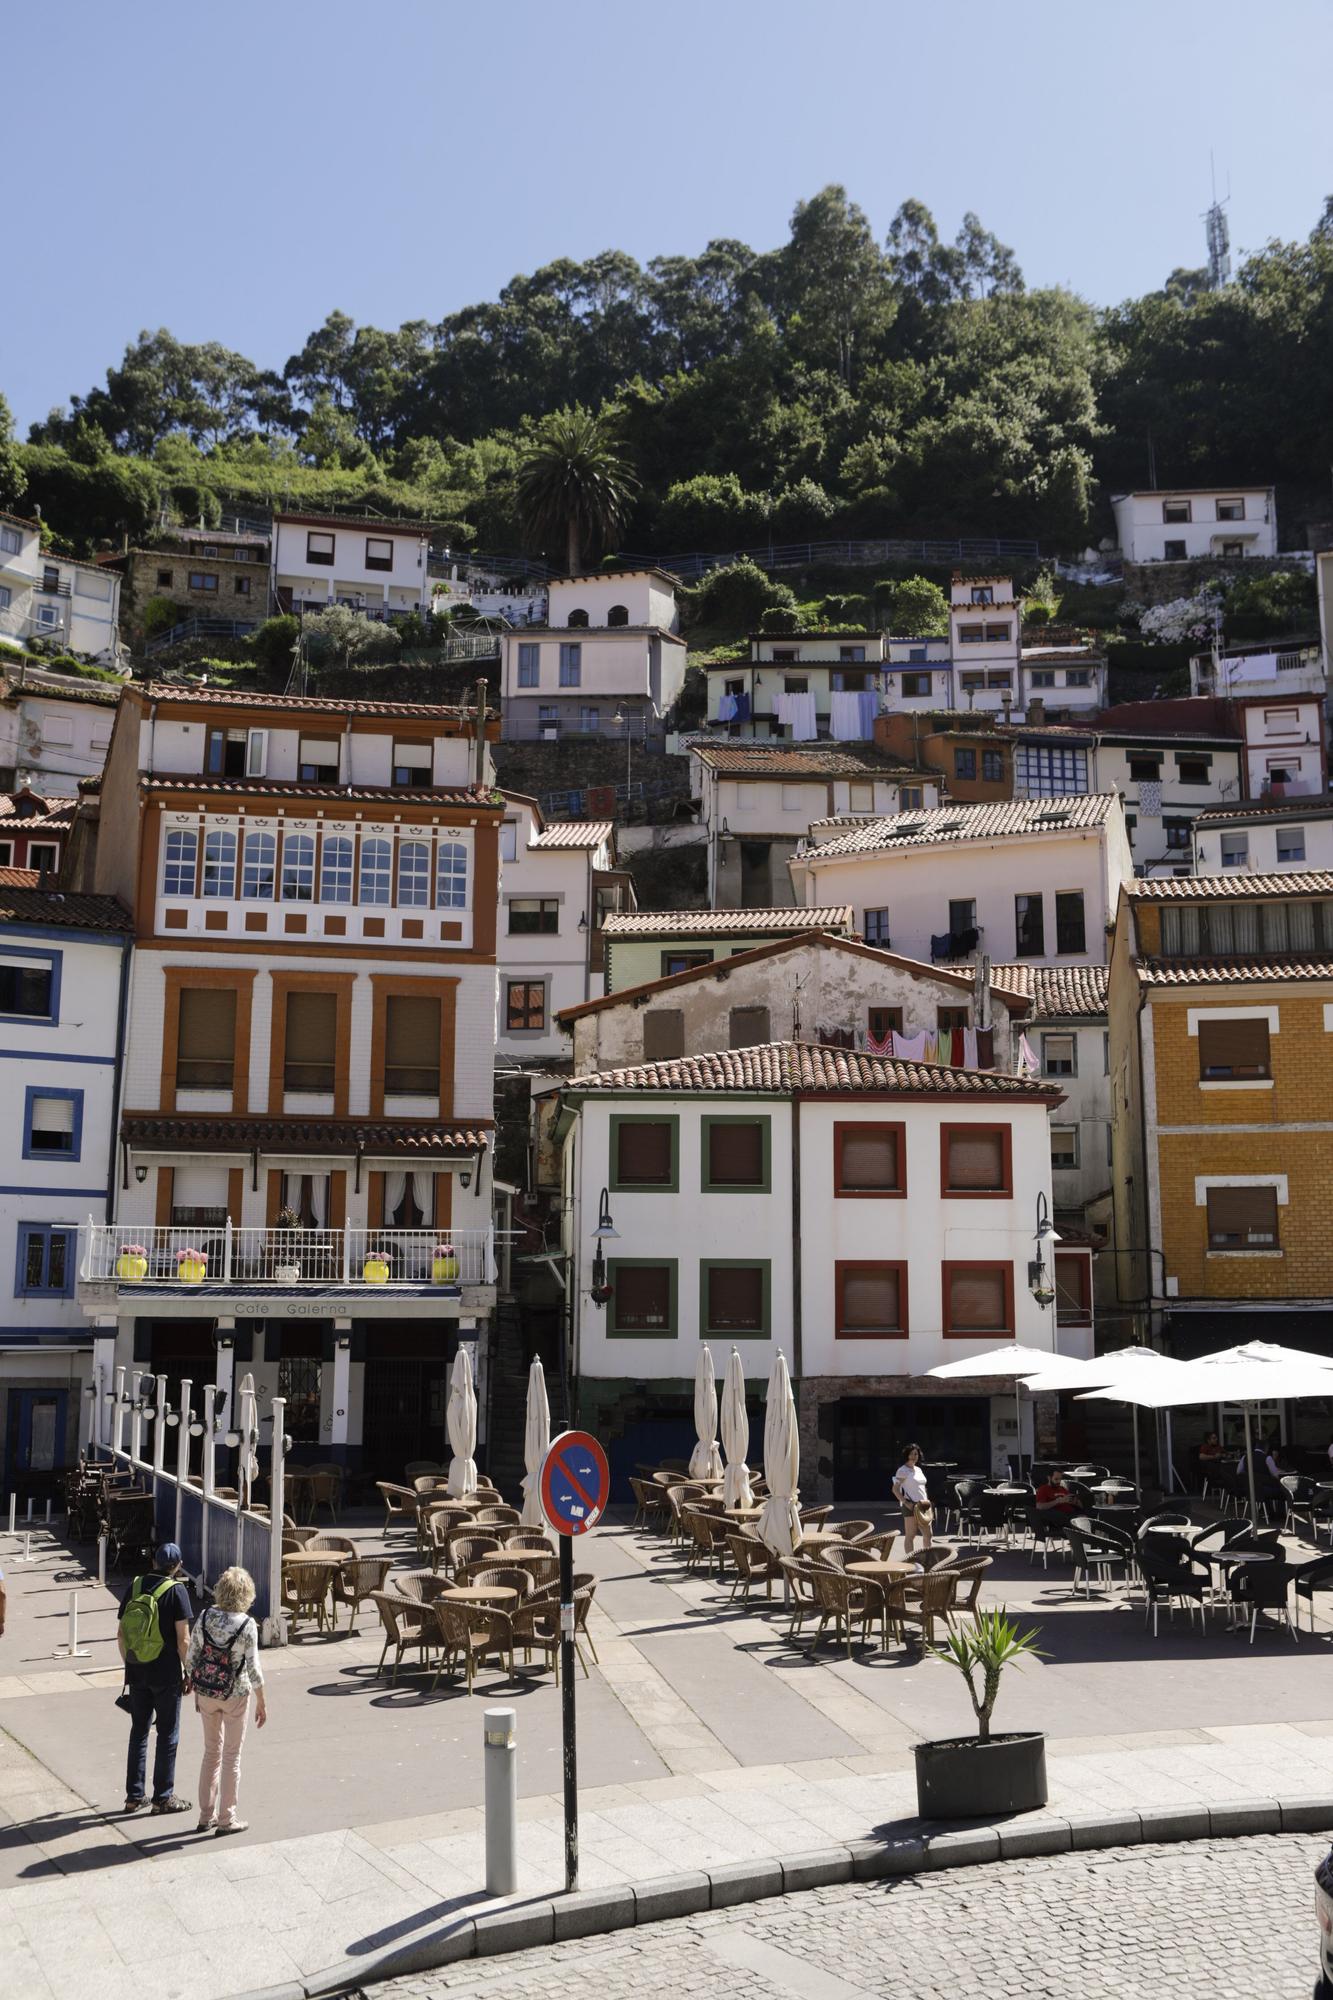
(1167, 778)
(609, 662)
(558, 884)
(374, 566)
(758, 802)
(918, 673)
(1269, 669)
(1033, 879)
(49, 596)
(798, 686)
(1067, 1028)
(1265, 837)
(868, 1218)
(643, 945)
(1184, 523)
(64, 964)
(1286, 754)
(54, 730)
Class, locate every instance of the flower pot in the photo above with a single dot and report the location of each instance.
(443, 1270)
(131, 1268)
(191, 1270)
(375, 1271)
(963, 1777)
(287, 1274)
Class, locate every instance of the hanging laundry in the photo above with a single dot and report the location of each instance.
(742, 702)
(956, 1048)
(869, 702)
(932, 1054)
(941, 946)
(837, 1038)
(909, 1048)
(880, 1045)
(726, 708)
(969, 1048)
(847, 722)
(985, 1048)
(1027, 1064)
(801, 716)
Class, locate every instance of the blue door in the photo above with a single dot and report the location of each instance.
(35, 1434)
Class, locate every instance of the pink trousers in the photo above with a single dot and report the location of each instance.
(224, 1725)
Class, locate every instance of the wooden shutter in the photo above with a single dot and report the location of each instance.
(977, 1299)
(1233, 1049)
(736, 1154)
(735, 1298)
(748, 1027)
(1072, 1301)
(663, 1033)
(974, 1159)
(206, 1038)
(310, 1041)
(412, 1046)
(869, 1299)
(643, 1154)
(868, 1159)
(643, 1298)
(1242, 1218)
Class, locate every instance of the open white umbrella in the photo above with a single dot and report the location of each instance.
(462, 1421)
(705, 1459)
(1013, 1359)
(736, 1490)
(780, 1523)
(536, 1444)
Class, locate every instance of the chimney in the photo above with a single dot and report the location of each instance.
(479, 744)
(1037, 711)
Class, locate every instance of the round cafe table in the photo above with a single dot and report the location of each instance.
(481, 1593)
(879, 1571)
(528, 1559)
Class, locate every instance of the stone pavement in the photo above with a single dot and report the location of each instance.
(1146, 1923)
(706, 1739)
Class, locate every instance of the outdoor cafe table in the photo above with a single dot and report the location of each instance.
(822, 1539)
(481, 1593)
(880, 1571)
(507, 1559)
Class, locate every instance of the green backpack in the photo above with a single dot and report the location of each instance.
(141, 1625)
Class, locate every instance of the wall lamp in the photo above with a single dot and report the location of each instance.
(603, 1233)
(1040, 1281)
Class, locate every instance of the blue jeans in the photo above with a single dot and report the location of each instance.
(149, 1705)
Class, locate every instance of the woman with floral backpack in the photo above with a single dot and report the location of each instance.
(222, 1667)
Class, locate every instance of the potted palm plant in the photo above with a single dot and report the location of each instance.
(978, 1777)
(288, 1271)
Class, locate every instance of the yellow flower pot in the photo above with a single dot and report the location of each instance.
(191, 1270)
(133, 1268)
(375, 1271)
(443, 1270)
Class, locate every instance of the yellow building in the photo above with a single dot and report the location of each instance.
(1221, 1011)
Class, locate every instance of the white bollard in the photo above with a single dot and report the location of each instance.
(30, 1506)
(48, 1513)
(501, 1762)
(101, 1560)
(73, 1650)
(13, 1510)
(28, 1556)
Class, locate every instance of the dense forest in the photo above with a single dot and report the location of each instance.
(836, 384)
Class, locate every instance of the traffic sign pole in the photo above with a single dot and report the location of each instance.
(570, 1747)
(575, 1486)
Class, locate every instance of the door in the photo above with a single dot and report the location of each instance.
(871, 1431)
(406, 1398)
(35, 1435)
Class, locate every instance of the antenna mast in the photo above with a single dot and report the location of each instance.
(1219, 237)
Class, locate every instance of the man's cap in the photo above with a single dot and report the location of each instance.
(169, 1557)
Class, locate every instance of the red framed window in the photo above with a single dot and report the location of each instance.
(976, 1162)
(869, 1301)
(870, 1160)
(978, 1300)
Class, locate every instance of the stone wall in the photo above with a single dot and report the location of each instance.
(1160, 582)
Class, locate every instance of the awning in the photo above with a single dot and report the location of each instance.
(1188, 1334)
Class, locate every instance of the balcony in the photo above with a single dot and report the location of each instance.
(1296, 670)
(356, 1266)
(52, 587)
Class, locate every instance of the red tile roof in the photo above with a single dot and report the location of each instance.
(19, 878)
(724, 923)
(241, 788)
(343, 1138)
(1209, 888)
(574, 833)
(1250, 971)
(299, 704)
(801, 1068)
(801, 760)
(1057, 991)
(74, 912)
(1315, 805)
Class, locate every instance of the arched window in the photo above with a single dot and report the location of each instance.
(577, 618)
(298, 868)
(220, 863)
(413, 875)
(259, 857)
(451, 876)
(376, 871)
(178, 873)
(618, 615)
(335, 872)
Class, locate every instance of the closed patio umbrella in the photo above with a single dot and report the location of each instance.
(462, 1420)
(780, 1523)
(736, 1490)
(536, 1444)
(705, 1459)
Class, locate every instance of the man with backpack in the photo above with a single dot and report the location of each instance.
(154, 1636)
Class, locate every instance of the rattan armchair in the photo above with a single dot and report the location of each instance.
(497, 1512)
(358, 1580)
(842, 1601)
(967, 1578)
(707, 1535)
(307, 1592)
(651, 1506)
(753, 1561)
(331, 1545)
(468, 1632)
(400, 1504)
(933, 1557)
(798, 1575)
(404, 1624)
(927, 1598)
(324, 1487)
(462, 1544)
(815, 1517)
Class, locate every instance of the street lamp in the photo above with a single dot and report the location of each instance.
(1041, 1283)
(603, 1233)
(622, 718)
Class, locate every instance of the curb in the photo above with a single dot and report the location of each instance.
(594, 1912)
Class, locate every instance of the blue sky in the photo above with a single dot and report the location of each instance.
(235, 173)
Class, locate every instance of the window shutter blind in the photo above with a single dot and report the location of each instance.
(736, 1155)
(1242, 1218)
(748, 1027)
(977, 1300)
(644, 1153)
(871, 1301)
(256, 753)
(1233, 1048)
(412, 1046)
(311, 1041)
(976, 1159)
(663, 1034)
(869, 1159)
(735, 1298)
(53, 1114)
(206, 1038)
(643, 1296)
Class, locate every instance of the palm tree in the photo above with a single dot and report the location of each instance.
(573, 482)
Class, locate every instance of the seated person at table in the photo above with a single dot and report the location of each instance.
(1054, 1497)
(1210, 1450)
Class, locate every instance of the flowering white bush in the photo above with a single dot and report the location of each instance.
(1182, 618)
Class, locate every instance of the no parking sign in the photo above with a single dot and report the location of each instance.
(575, 1483)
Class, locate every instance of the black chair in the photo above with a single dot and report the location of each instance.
(1095, 1553)
(1299, 1491)
(966, 1508)
(1164, 1517)
(1312, 1576)
(1169, 1577)
(1264, 1587)
(1045, 1525)
(993, 1509)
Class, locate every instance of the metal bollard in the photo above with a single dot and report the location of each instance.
(73, 1650)
(101, 1560)
(28, 1556)
(48, 1513)
(30, 1506)
(13, 1510)
(501, 1759)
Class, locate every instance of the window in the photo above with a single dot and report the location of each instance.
(996, 635)
(950, 1019)
(1029, 926)
(376, 878)
(962, 916)
(971, 635)
(1069, 927)
(982, 593)
(164, 579)
(1077, 677)
(645, 1154)
(747, 1027)
(335, 869)
(978, 1299)
(869, 1301)
(916, 684)
(42, 854)
(240, 586)
(451, 876)
(414, 874)
(525, 1006)
(1144, 770)
(220, 862)
(618, 615)
(571, 663)
(1278, 720)
(781, 654)
(11, 541)
(1291, 843)
(1064, 1145)
(1175, 511)
(733, 1298)
(643, 1299)
(909, 797)
(1235, 850)
(379, 552)
(1178, 833)
(589, 720)
(319, 549)
(992, 766)
(1047, 771)
(204, 579)
(877, 927)
(577, 618)
(975, 1160)
(52, 1124)
(861, 798)
(45, 1260)
(965, 763)
(850, 655)
(206, 1038)
(972, 681)
(1073, 1289)
(1242, 1218)
(1059, 1055)
(529, 663)
(298, 867)
(1193, 770)
(225, 757)
(412, 765)
(683, 961)
(1173, 551)
(317, 761)
(882, 1022)
(209, 550)
(310, 1042)
(1234, 1050)
(411, 1045)
(30, 987)
(531, 914)
(796, 683)
(663, 1033)
(181, 860)
(509, 840)
(735, 1155)
(1042, 677)
(869, 1160)
(1231, 510)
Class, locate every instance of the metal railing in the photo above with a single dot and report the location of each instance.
(57, 589)
(199, 627)
(796, 555)
(229, 1255)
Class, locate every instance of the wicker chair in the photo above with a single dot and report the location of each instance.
(842, 1600)
(505, 1578)
(497, 1513)
(853, 1531)
(651, 1506)
(419, 1586)
(798, 1575)
(357, 1580)
(431, 1482)
(544, 1570)
(307, 1592)
(487, 1495)
(753, 1562)
(324, 1487)
(404, 1624)
(534, 1625)
(931, 1558)
(928, 1598)
(682, 1494)
(467, 1632)
(400, 1504)
(528, 1538)
(814, 1517)
(439, 1527)
(462, 1544)
(708, 1538)
(967, 1579)
(330, 1545)
(880, 1544)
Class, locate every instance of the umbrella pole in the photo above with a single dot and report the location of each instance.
(1249, 1467)
(1018, 1428)
(1138, 1482)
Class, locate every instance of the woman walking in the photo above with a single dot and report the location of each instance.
(909, 1484)
(222, 1667)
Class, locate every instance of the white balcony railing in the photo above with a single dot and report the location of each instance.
(265, 1259)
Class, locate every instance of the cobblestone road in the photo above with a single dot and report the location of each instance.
(1187, 1921)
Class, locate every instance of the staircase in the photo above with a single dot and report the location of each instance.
(509, 1400)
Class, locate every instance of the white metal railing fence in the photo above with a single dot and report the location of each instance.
(227, 1255)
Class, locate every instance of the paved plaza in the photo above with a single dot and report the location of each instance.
(706, 1738)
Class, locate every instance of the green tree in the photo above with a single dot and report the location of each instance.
(13, 479)
(919, 609)
(573, 484)
(831, 285)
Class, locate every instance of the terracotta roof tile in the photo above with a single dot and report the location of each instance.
(1233, 971)
(1057, 991)
(54, 819)
(802, 760)
(1316, 805)
(19, 878)
(298, 704)
(574, 833)
(254, 788)
(74, 912)
(340, 1137)
(724, 923)
(936, 825)
(798, 1067)
(1209, 888)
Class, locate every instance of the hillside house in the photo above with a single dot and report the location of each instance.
(1186, 523)
(373, 566)
(48, 596)
(610, 661)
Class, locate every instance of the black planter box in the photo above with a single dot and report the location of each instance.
(964, 1778)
